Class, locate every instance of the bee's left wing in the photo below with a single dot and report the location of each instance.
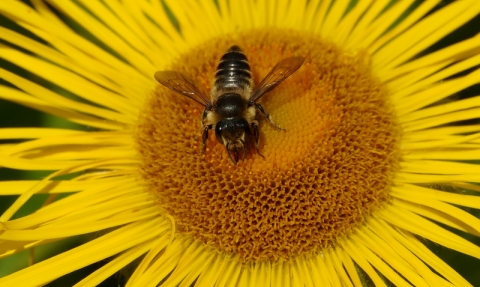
(183, 85)
(279, 73)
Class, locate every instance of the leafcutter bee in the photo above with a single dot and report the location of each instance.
(231, 108)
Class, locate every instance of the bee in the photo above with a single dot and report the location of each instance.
(232, 106)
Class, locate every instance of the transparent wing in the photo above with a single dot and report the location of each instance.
(279, 73)
(183, 85)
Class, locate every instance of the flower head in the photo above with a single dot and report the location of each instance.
(373, 157)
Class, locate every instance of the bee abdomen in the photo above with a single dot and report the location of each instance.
(233, 71)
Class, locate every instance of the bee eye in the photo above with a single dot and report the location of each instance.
(242, 125)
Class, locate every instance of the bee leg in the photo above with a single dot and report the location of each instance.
(229, 154)
(244, 150)
(264, 112)
(205, 136)
(256, 135)
(204, 116)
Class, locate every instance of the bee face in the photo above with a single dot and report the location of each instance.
(231, 108)
(232, 133)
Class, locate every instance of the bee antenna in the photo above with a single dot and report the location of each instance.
(244, 150)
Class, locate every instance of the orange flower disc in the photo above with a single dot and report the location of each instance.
(319, 179)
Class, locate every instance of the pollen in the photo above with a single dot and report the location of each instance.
(318, 180)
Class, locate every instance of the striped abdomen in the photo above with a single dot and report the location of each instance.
(233, 71)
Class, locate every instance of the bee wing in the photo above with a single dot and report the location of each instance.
(279, 73)
(183, 85)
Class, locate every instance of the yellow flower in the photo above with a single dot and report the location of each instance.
(377, 151)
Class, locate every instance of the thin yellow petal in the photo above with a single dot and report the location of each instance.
(417, 80)
(381, 24)
(409, 20)
(468, 186)
(363, 23)
(470, 154)
(20, 201)
(330, 268)
(404, 177)
(212, 272)
(349, 267)
(244, 278)
(27, 100)
(263, 273)
(189, 29)
(159, 245)
(335, 13)
(26, 164)
(213, 15)
(90, 138)
(136, 27)
(320, 272)
(441, 119)
(63, 78)
(471, 201)
(137, 41)
(320, 14)
(115, 265)
(60, 36)
(450, 141)
(16, 187)
(360, 259)
(436, 92)
(229, 275)
(310, 19)
(445, 210)
(387, 254)
(337, 263)
(301, 265)
(280, 274)
(444, 109)
(135, 58)
(450, 54)
(347, 23)
(440, 133)
(32, 133)
(426, 255)
(190, 263)
(413, 223)
(383, 268)
(94, 195)
(68, 230)
(438, 216)
(164, 264)
(79, 153)
(168, 36)
(61, 101)
(423, 34)
(296, 280)
(84, 255)
(81, 67)
(389, 237)
(423, 78)
(126, 208)
(439, 167)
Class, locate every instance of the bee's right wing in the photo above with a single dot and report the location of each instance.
(181, 84)
(282, 70)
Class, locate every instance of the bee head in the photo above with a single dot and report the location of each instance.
(231, 132)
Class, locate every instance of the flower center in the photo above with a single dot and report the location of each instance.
(319, 179)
